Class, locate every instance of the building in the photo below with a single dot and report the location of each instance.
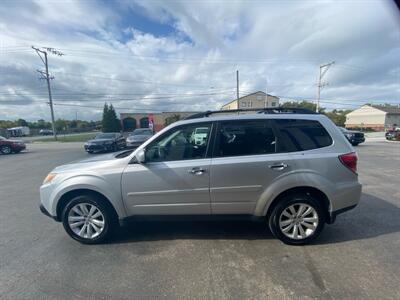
(374, 117)
(255, 100)
(131, 121)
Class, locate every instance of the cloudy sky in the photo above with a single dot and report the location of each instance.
(183, 55)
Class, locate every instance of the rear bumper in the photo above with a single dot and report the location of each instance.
(332, 216)
(18, 147)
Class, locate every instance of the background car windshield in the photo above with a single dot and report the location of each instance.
(105, 136)
(2, 138)
(142, 132)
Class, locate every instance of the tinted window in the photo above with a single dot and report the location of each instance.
(181, 143)
(245, 138)
(300, 135)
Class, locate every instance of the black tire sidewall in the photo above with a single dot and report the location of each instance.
(104, 210)
(290, 200)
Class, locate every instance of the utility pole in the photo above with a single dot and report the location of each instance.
(237, 85)
(322, 71)
(43, 56)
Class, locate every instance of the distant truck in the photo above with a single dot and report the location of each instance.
(18, 131)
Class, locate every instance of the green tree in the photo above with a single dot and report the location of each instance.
(172, 119)
(22, 122)
(303, 104)
(110, 122)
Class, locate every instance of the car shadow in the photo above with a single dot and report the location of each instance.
(373, 217)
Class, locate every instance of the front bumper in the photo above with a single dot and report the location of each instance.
(46, 213)
(98, 148)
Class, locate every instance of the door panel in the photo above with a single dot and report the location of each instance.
(236, 183)
(167, 188)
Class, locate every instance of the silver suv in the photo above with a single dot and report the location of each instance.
(291, 168)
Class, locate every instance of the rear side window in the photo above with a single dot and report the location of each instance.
(238, 138)
(300, 135)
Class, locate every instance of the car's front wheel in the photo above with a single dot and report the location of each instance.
(87, 220)
(297, 219)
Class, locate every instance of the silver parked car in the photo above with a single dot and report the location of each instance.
(291, 168)
(138, 137)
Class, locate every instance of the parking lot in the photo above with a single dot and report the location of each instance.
(357, 257)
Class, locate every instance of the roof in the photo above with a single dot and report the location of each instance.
(389, 110)
(249, 95)
(255, 116)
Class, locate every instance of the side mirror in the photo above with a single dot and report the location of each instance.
(141, 156)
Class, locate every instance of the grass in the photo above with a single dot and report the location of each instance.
(69, 138)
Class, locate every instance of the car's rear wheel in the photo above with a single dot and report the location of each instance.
(297, 219)
(5, 149)
(87, 220)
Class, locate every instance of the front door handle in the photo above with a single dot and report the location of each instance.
(279, 166)
(197, 171)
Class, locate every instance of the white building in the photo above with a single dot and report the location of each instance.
(255, 100)
(375, 117)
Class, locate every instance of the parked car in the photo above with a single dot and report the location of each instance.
(45, 132)
(11, 146)
(138, 137)
(290, 168)
(393, 135)
(353, 136)
(112, 141)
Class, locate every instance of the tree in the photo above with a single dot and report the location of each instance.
(110, 122)
(172, 119)
(22, 122)
(303, 104)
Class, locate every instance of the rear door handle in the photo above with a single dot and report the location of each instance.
(279, 166)
(197, 171)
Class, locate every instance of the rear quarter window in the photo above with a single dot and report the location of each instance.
(300, 135)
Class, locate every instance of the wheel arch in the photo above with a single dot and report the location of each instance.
(65, 198)
(312, 191)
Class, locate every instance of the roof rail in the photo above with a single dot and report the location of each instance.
(269, 110)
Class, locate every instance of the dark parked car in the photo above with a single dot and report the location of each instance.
(10, 146)
(46, 132)
(393, 135)
(353, 136)
(138, 137)
(112, 141)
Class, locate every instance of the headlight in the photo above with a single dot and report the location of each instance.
(349, 135)
(49, 178)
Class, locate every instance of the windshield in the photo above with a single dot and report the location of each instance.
(105, 136)
(142, 132)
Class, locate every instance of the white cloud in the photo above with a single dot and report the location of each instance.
(277, 46)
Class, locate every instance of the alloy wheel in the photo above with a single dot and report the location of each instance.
(86, 220)
(298, 221)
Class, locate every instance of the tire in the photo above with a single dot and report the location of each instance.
(354, 144)
(279, 220)
(5, 149)
(100, 228)
(90, 152)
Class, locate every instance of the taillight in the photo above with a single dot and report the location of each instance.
(349, 160)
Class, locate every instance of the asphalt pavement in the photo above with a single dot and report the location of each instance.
(358, 257)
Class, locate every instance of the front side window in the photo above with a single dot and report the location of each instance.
(301, 135)
(180, 143)
(236, 138)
